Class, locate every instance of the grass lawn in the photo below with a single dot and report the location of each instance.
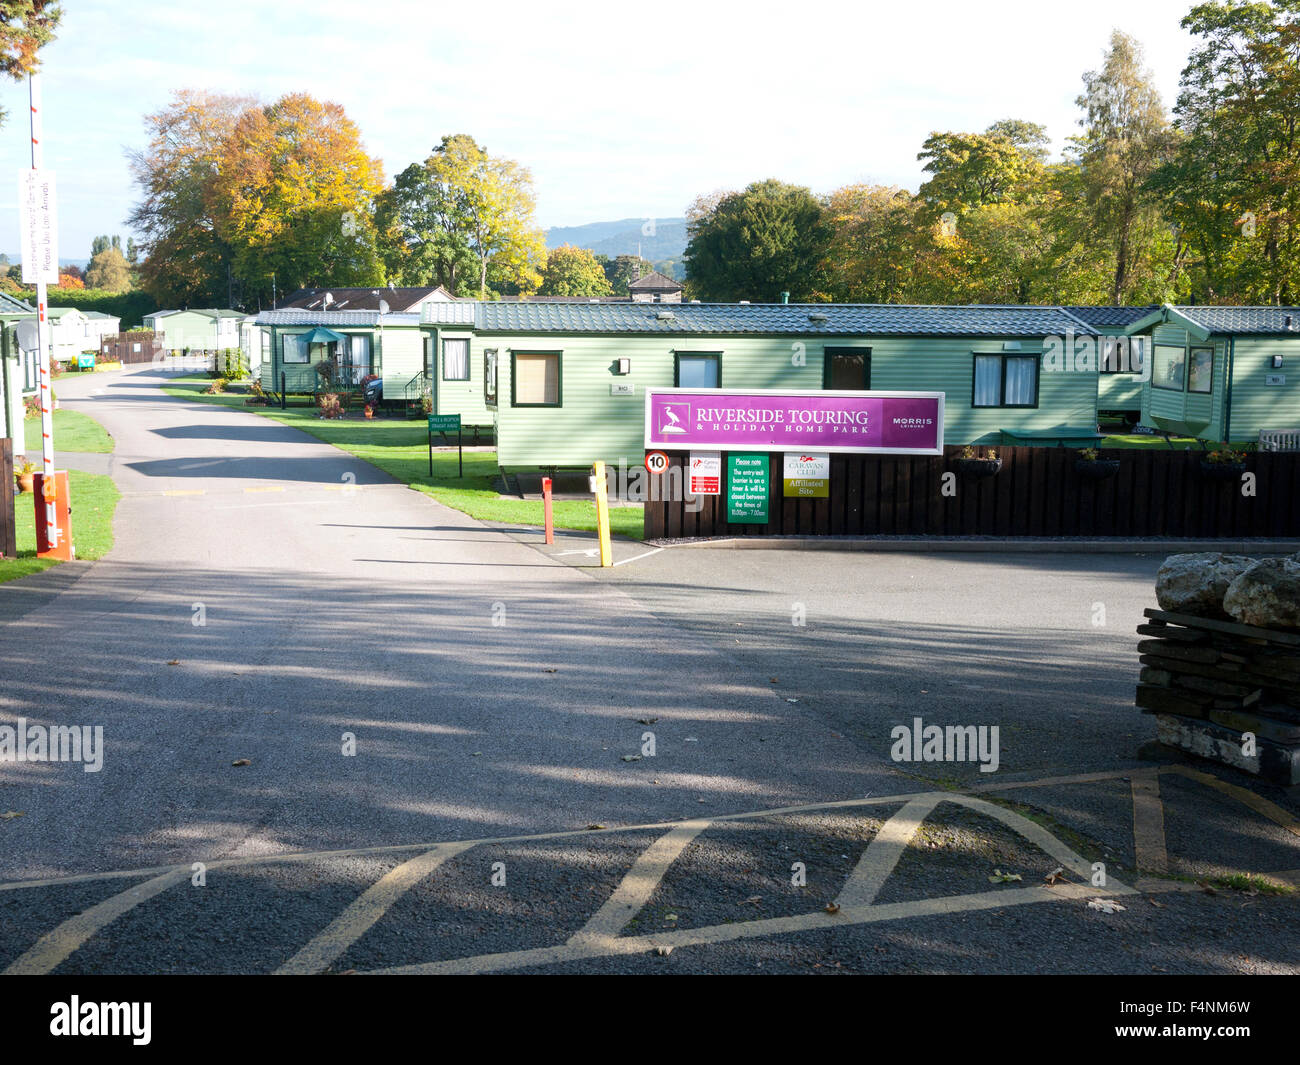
(400, 448)
(73, 431)
(94, 499)
(1179, 443)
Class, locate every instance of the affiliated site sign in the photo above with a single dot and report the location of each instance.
(38, 226)
(888, 423)
(747, 488)
(705, 473)
(807, 474)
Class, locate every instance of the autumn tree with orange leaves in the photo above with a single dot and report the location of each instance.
(235, 194)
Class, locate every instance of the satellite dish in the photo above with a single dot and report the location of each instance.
(329, 298)
(383, 306)
(29, 336)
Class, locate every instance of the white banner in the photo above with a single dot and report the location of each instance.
(38, 226)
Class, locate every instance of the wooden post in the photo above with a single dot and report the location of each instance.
(8, 530)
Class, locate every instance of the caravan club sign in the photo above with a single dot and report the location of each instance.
(886, 423)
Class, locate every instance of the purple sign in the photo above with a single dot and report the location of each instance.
(890, 423)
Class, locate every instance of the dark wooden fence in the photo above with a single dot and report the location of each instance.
(137, 346)
(1038, 492)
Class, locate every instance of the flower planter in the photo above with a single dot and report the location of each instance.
(26, 482)
(1222, 471)
(1096, 469)
(977, 467)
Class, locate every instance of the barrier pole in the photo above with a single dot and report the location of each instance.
(546, 508)
(602, 514)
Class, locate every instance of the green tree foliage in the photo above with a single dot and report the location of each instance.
(1233, 185)
(26, 26)
(422, 240)
(757, 244)
(1125, 140)
(108, 270)
(573, 271)
(622, 270)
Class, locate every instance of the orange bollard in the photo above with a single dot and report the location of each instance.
(546, 506)
(54, 490)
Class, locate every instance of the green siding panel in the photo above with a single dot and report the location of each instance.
(591, 424)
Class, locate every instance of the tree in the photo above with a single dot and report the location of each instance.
(1233, 186)
(421, 239)
(108, 270)
(492, 205)
(871, 249)
(757, 244)
(293, 197)
(26, 26)
(573, 271)
(1125, 140)
(970, 170)
(187, 261)
(622, 270)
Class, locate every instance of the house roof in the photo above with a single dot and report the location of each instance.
(364, 299)
(207, 312)
(1203, 322)
(102, 316)
(13, 305)
(58, 312)
(783, 319)
(342, 318)
(1110, 317)
(655, 282)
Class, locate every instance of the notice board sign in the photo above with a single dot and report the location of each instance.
(747, 488)
(704, 473)
(38, 226)
(807, 475)
(444, 423)
(831, 421)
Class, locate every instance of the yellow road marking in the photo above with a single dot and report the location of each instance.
(265, 488)
(1150, 854)
(893, 911)
(358, 918)
(638, 885)
(53, 947)
(1257, 803)
(883, 853)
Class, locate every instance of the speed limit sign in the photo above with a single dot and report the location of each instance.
(656, 462)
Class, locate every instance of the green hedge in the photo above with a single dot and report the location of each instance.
(131, 307)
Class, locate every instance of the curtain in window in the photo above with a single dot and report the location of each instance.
(455, 360)
(988, 380)
(537, 379)
(359, 353)
(1022, 375)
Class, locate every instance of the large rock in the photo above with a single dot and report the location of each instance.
(1197, 583)
(1267, 594)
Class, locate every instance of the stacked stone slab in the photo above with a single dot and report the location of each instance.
(1219, 688)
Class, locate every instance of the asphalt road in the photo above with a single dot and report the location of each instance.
(270, 597)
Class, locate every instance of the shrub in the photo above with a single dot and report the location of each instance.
(331, 404)
(217, 387)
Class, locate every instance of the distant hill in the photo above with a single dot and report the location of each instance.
(623, 236)
(17, 257)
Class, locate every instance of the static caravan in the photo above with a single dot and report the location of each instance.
(197, 330)
(68, 334)
(565, 382)
(1223, 373)
(358, 343)
(1120, 359)
(18, 369)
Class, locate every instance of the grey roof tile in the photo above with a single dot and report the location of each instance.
(1245, 320)
(345, 318)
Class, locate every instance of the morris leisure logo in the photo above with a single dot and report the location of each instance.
(673, 419)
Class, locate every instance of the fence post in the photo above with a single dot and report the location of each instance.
(8, 531)
(284, 399)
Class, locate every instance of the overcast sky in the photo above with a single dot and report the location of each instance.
(620, 110)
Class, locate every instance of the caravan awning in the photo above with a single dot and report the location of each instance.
(321, 335)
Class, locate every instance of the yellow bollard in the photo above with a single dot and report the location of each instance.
(602, 514)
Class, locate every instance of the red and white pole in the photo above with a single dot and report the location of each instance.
(44, 338)
(546, 508)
